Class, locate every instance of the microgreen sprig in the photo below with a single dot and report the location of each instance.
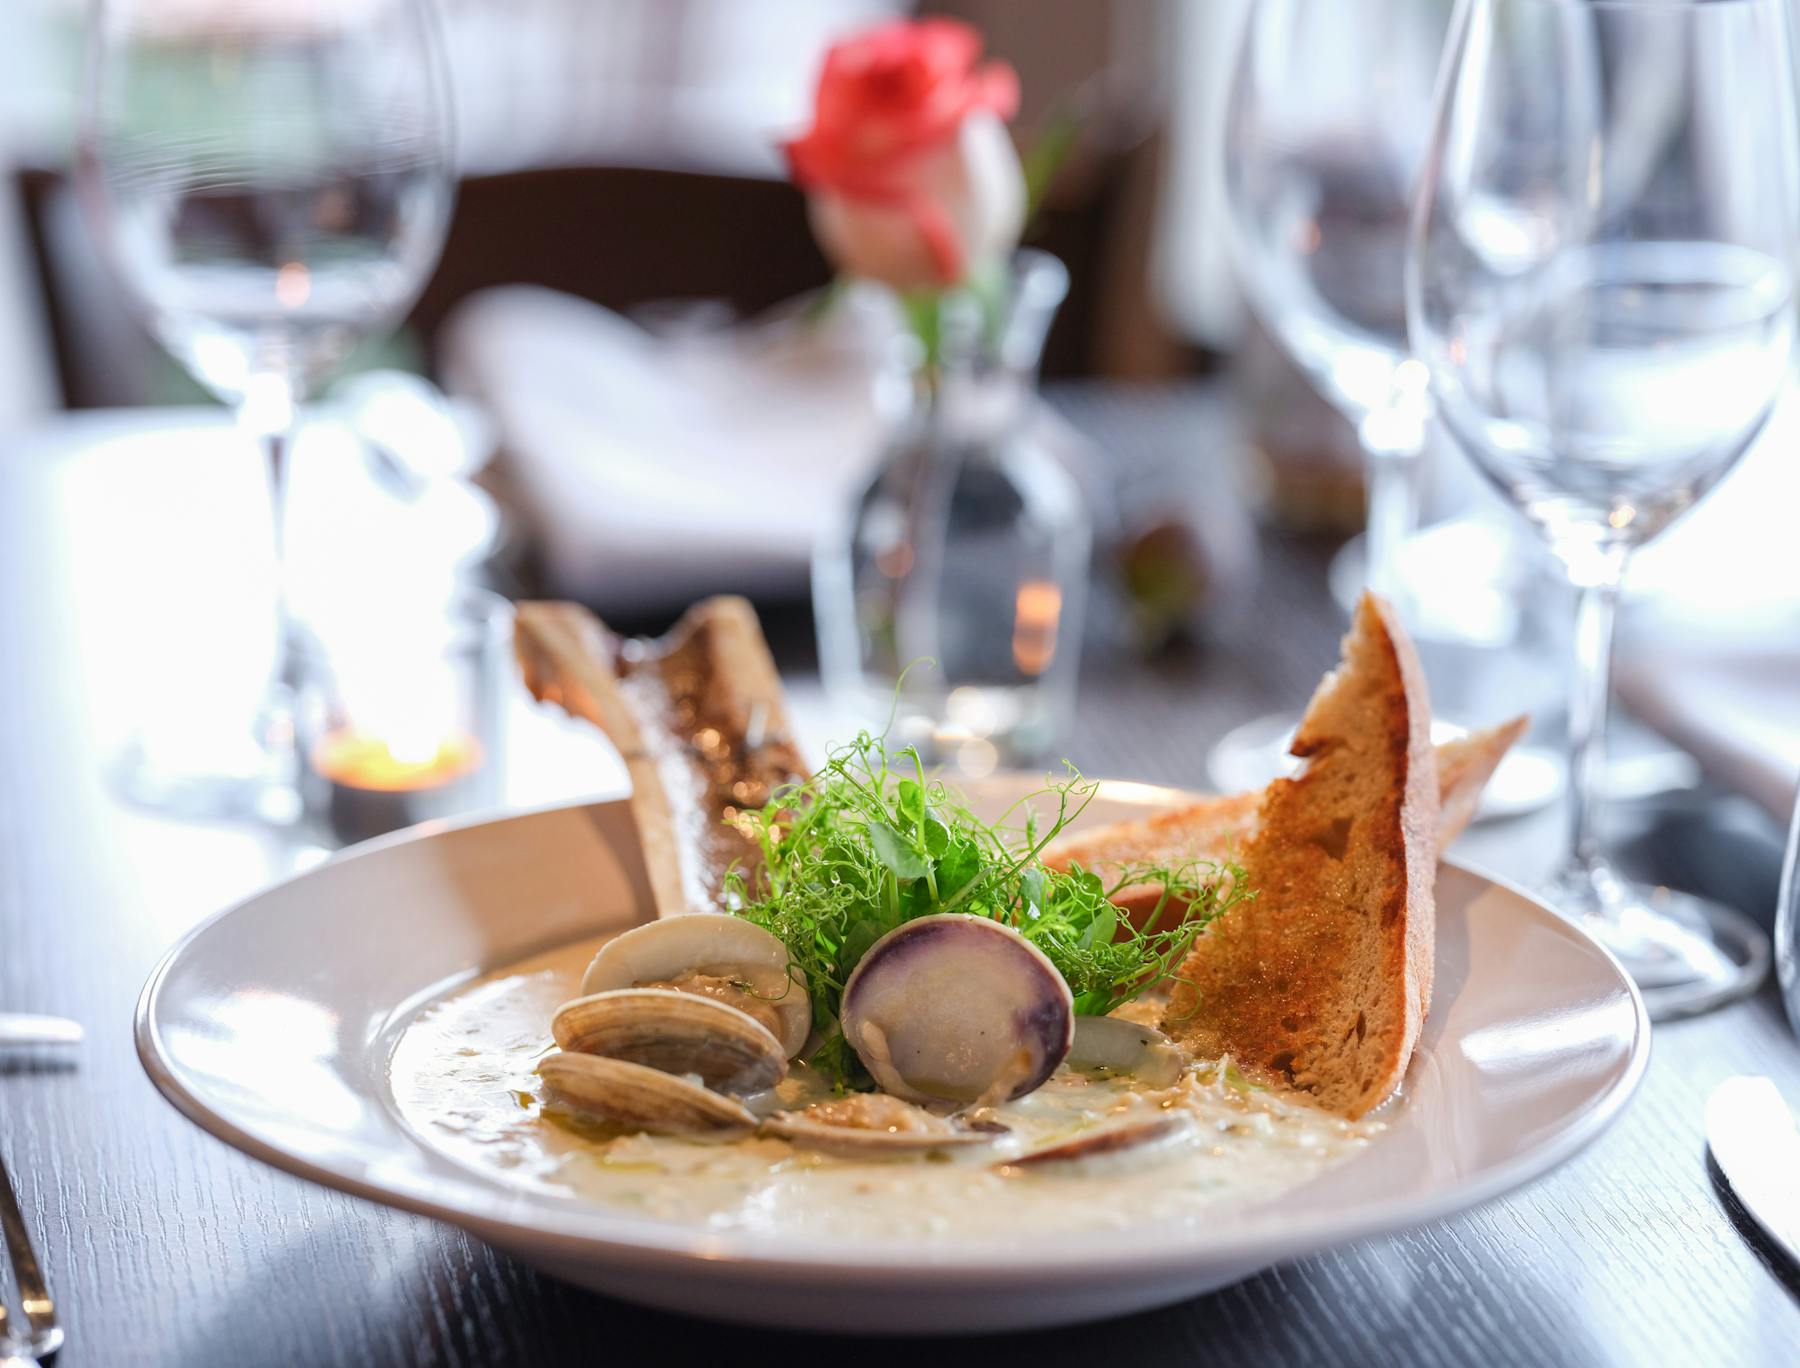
(874, 840)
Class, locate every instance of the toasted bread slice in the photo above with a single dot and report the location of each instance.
(1325, 983)
(1213, 827)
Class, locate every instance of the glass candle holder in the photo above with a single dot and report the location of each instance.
(399, 717)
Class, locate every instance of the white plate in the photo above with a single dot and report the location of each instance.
(271, 1026)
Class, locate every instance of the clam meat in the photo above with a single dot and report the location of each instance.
(715, 955)
(1125, 1047)
(873, 1126)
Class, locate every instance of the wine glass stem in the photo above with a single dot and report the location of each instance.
(1590, 690)
(1393, 517)
(268, 411)
(1393, 437)
(275, 451)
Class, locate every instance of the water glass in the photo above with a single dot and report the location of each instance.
(1787, 922)
(1601, 283)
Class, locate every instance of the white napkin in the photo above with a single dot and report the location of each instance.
(1709, 649)
(657, 468)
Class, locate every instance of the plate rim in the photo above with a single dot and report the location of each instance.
(518, 1218)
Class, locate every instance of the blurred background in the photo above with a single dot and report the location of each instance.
(610, 338)
(580, 120)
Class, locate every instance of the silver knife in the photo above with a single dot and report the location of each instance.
(1753, 1139)
(38, 1030)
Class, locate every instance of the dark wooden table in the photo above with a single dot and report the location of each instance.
(164, 1247)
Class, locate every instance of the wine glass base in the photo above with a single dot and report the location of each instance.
(238, 789)
(1247, 757)
(1687, 955)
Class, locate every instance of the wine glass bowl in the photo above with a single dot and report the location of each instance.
(1327, 124)
(1324, 137)
(1601, 285)
(271, 186)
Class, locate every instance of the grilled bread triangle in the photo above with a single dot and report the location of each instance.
(1325, 982)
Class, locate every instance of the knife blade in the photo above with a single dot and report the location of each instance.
(16, 1029)
(1753, 1139)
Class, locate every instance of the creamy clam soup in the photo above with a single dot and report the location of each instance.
(464, 1076)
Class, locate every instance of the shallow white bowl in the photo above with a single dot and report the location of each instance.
(271, 1026)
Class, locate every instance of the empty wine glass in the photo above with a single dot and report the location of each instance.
(1327, 123)
(1601, 283)
(271, 184)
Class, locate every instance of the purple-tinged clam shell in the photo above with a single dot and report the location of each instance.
(1128, 1143)
(955, 1008)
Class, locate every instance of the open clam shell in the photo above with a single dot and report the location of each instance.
(638, 1098)
(678, 1033)
(700, 953)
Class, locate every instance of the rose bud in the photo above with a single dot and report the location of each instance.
(912, 179)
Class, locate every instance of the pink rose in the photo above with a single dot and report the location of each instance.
(911, 176)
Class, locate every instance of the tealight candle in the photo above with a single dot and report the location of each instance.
(376, 787)
(399, 717)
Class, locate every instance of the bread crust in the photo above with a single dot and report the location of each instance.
(1212, 828)
(1323, 983)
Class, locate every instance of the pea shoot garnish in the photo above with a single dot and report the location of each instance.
(873, 840)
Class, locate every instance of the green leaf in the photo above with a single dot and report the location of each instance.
(957, 867)
(1101, 926)
(1032, 883)
(911, 804)
(937, 838)
(895, 852)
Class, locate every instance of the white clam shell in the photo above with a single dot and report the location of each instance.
(678, 1033)
(708, 943)
(642, 1099)
(957, 1008)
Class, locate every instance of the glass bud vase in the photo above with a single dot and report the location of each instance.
(949, 593)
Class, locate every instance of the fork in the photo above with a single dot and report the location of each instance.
(43, 1335)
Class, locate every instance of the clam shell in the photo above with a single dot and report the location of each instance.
(678, 1033)
(1106, 1042)
(862, 1142)
(643, 1099)
(708, 943)
(957, 1008)
(1128, 1142)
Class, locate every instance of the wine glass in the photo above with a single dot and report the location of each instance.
(1787, 921)
(1601, 283)
(1327, 124)
(271, 184)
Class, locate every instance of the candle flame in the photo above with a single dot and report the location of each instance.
(1035, 619)
(359, 760)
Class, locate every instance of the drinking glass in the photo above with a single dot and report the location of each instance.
(271, 185)
(1327, 124)
(1787, 921)
(1601, 283)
